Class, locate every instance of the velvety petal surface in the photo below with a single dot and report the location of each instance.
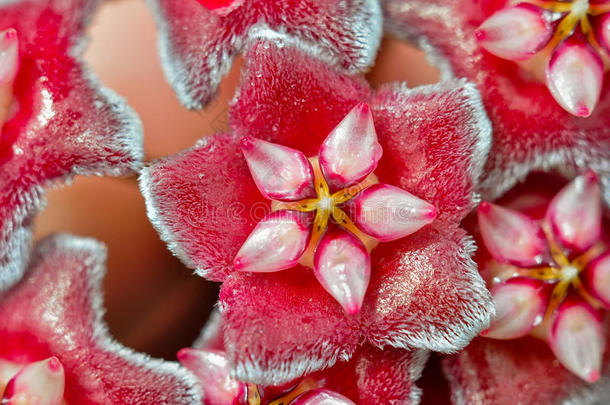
(198, 47)
(66, 123)
(531, 131)
(56, 310)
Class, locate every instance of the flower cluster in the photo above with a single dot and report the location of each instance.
(341, 220)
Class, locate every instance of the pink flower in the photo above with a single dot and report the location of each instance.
(526, 101)
(546, 259)
(56, 347)
(56, 120)
(198, 40)
(372, 376)
(423, 291)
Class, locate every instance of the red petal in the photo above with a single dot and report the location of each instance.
(321, 396)
(221, 7)
(425, 292)
(198, 47)
(204, 203)
(56, 310)
(602, 30)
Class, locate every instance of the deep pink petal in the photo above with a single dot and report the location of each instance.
(276, 243)
(211, 367)
(39, 383)
(577, 339)
(512, 237)
(343, 267)
(198, 47)
(596, 278)
(425, 292)
(351, 151)
(279, 326)
(280, 173)
(388, 213)
(221, 7)
(575, 214)
(516, 32)
(321, 396)
(204, 204)
(56, 310)
(575, 76)
(520, 306)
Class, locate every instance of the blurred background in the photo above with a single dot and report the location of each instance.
(154, 304)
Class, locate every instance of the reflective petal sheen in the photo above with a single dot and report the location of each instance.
(321, 397)
(388, 213)
(575, 213)
(512, 237)
(211, 367)
(40, 383)
(515, 33)
(596, 278)
(343, 267)
(280, 173)
(9, 55)
(602, 31)
(351, 151)
(577, 339)
(520, 305)
(221, 7)
(574, 76)
(276, 243)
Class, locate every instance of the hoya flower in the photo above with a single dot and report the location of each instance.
(425, 147)
(538, 65)
(199, 39)
(546, 259)
(55, 118)
(372, 376)
(55, 347)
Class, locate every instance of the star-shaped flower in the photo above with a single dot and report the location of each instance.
(56, 347)
(423, 292)
(57, 119)
(372, 376)
(526, 101)
(547, 262)
(198, 40)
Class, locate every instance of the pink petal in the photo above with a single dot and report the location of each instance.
(211, 336)
(351, 151)
(280, 326)
(9, 55)
(343, 267)
(520, 305)
(56, 310)
(198, 47)
(280, 173)
(221, 7)
(201, 212)
(602, 31)
(388, 213)
(40, 383)
(512, 237)
(516, 32)
(575, 213)
(321, 396)
(577, 339)
(575, 76)
(277, 242)
(426, 292)
(596, 278)
(212, 369)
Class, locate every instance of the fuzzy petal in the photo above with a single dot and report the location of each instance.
(389, 213)
(351, 151)
(198, 47)
(277, 243)
(56, 310)
(512, 237)
(343, 267)
(575, 76)
(280, 173)
(516, 32)
(66, 123)
(575, 214)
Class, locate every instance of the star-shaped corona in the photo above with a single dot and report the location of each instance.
(329, 211)
(570, 39)
(552, 276)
